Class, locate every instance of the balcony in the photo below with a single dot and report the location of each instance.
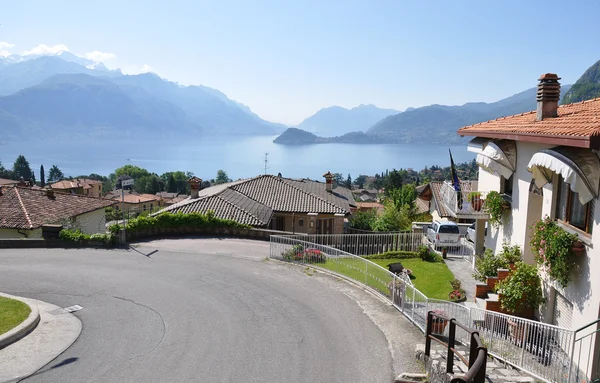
(469, 210)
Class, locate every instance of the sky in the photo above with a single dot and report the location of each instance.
(288, 59)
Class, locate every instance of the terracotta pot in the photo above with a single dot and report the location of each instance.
(438, 327)
(477, 203)
(578, 248)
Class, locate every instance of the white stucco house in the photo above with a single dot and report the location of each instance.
(24, 210)
(546, 163)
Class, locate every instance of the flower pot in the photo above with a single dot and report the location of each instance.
(476, 204)
(578, 248)
(438, 326)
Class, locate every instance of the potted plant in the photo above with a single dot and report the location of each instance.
(555, 250)
(578, 247)
(495, 205)
(457, 294)
(438, 325)
(474, 198)
(487, 265)
(511, 254)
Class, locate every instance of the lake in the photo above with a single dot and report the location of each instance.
(239, 157)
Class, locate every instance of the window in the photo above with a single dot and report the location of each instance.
(506, 186)
(570, 210)
(449, 229)
(301, 222)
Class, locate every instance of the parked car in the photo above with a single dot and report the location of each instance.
(471, 232)
(444, 234)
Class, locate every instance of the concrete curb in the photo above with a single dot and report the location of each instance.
(22, 330)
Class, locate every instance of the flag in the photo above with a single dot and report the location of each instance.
(455, 183)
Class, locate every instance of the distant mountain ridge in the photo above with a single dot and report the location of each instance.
(337, 121)
(428, 124)
(66, 95)
(586, 87)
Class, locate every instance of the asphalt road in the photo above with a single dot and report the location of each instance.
(207, 311)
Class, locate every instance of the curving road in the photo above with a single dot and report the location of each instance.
(204, 310)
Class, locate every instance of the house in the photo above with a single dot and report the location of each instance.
(366, 206)
(134, 202)
(546, 163)
(82, 186)
(277, 203)
(23, 211)
(171, 198)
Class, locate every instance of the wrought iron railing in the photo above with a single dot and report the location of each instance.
(543, 350)
(477, 351)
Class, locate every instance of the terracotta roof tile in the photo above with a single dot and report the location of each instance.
(253, 201)
(25, 208)
(574, 121)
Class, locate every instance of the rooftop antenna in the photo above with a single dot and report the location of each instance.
(266, 162)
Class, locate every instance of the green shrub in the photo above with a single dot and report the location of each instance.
(521, 290)
(488, 264)
(510, 254)
(144, 225)
(428, 255)
(394, 255)
(455, 284)
(72, 235)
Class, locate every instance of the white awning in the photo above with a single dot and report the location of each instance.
(579, 168)
(499, 157)
(476, 144)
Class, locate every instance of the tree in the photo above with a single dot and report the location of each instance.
(42, 176)
(393, 218)
(360, 181)
(171, 185)
(348, 184)
(132, 171)
(21, 169)
(222, 177)
(364, 219)
(338, 178)
(404, 196)
(55, 174)
(5, 173)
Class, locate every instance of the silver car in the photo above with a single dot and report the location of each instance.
(471, 232)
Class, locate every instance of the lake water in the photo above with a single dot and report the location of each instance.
(240, 158)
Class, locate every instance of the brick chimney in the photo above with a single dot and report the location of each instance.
(195, 183)
(548, 94)
(328, 181)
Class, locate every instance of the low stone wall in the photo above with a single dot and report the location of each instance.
(251, 233)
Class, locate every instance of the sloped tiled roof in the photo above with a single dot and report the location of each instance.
(25, 208)
(4, 181)
(575, 122)
(252, 201)
(135, 198)
(75, 183)
(228, 204)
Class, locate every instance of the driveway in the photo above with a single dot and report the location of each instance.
(209, 310)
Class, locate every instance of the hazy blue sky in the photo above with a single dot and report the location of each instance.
(288, 59)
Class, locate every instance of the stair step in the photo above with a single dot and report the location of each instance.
(480, 302)
(493, 297)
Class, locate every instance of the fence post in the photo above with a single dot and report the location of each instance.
(451, 344)
(427, 334)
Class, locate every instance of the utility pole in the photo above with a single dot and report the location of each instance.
(266, 162)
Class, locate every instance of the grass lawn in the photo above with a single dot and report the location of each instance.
(432, 279)
(12, 313)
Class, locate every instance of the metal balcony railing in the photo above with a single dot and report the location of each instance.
(473, 201)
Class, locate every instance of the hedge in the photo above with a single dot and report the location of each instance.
(175, 223)
(393, 255)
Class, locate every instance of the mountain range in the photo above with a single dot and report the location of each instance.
(586, 87)
(66, 95)
(428, 124)
(336, 121)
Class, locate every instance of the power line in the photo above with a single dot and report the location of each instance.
(266, 162)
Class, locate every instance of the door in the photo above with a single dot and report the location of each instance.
(563, 311)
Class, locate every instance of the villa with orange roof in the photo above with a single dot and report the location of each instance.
(545, 164)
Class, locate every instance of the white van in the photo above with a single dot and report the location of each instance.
(444, 234)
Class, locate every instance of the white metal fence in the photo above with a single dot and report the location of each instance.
(366, 244)
(543, 350)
